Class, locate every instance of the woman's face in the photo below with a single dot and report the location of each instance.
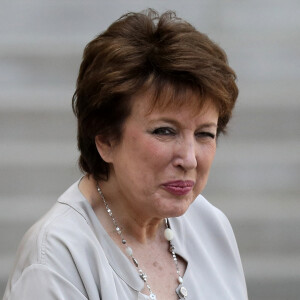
(164, 158)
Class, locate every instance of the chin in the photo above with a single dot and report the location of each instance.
(172, 207)
(177, 211)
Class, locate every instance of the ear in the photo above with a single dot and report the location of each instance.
(105, 148)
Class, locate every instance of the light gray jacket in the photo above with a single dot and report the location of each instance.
(67, 255)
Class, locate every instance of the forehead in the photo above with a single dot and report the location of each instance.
(149, 102)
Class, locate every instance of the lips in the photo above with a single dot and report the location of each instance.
(179, 187)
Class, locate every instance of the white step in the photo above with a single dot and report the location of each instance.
(36, 99)
(38, 154)
(272, 277)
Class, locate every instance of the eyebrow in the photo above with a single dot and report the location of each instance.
(211, 124)
(167, 120)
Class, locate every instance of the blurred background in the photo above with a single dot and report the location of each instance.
(256, 175)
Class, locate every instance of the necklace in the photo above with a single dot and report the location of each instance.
(181, 291)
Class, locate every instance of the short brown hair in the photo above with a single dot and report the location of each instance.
(144, 50)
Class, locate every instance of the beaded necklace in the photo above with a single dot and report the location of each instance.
(181, 291)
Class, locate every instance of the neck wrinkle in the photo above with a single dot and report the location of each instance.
(138, 228)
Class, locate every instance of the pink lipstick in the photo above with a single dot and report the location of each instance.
(179, 187)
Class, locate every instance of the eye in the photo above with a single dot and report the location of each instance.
(164, 131)
(206, 134)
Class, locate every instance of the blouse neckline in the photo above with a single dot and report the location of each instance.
(117, 259)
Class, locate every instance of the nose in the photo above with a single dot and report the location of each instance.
(185, 154)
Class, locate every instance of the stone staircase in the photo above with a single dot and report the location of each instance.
(255, 179)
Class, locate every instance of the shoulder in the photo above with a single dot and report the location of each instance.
(40, 282)
(58, 228)
(207, 226)
(206, 238)
(52, 245)
(207, 214)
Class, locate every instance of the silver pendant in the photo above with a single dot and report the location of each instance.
(181, 291)
(152, 296)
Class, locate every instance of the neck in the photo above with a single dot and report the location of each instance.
(135, 225)
(143, 231)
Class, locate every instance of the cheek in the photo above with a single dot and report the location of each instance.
(206, 157)
(147, 149)
(149, 161)
(144, 156)
(203, 169)
(156, 149)
(155, 155)
(211, 155)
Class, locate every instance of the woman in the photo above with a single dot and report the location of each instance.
(152, 96)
